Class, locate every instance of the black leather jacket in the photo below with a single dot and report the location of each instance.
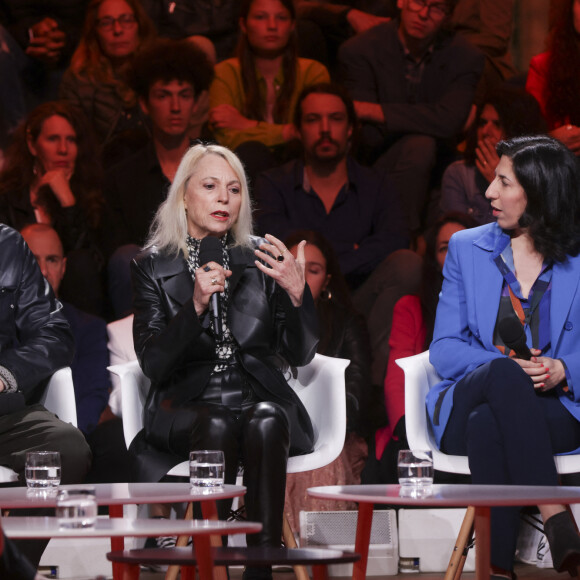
(177, 352)
(35, 338)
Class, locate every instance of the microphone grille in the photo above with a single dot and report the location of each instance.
(210, 250)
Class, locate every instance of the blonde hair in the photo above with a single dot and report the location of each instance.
(168, 231)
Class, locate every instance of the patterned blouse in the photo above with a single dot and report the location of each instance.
(226, 347)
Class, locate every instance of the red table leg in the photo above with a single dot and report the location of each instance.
(363, 538)
(204, 557)
(209, 512)
(482, 543)
(118, 544)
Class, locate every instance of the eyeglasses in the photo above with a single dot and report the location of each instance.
(438, 10)
(108, 22)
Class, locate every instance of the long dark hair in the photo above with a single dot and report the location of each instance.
(254, 105)
(519, 114)
(338, 294)
(19, 167)
(563, 80)
(431, 275)
(549, 173)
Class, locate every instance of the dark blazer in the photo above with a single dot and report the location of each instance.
(89, 366)
(373, 70)
(177, 352)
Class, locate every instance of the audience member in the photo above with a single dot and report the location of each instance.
(35, 342)
(505, 113)
(353, 207)
(411, 333)
(413, 83)
(167, 77)
(342, 334)
(198, 20)
(324, 25)
(103, 431)
(554, 78)
(37, 39)
(91, 358)
(51, 176)
(114, 31)
(488, 25)
(253, 95)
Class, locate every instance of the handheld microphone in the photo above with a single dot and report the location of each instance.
(512, 333)
(210, 250)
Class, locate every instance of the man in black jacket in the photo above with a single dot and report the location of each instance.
(35, 341)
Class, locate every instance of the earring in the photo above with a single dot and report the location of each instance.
(326, 294)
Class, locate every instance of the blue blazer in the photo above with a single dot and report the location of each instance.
(467, 313)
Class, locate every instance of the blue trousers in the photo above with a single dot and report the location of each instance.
(510, 433)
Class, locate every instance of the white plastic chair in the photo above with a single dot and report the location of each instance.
(320, 386)
(420, 376)
(59, 398)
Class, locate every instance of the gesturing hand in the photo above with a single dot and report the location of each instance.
(210, 278)
(544, 371)
(284, 268)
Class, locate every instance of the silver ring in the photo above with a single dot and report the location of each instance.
(214, 281)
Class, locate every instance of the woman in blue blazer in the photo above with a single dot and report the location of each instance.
(510, 415)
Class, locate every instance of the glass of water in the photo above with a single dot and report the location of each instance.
(206, 468)
(76, 507)
(42, 469)
(415, 468)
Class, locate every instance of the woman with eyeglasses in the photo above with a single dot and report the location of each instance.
(114, 31)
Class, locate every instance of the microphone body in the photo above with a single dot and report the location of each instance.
(512, 333)
(210, 250)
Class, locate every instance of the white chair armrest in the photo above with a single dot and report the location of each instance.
(59, 396)
(420, 376)
(321, 388)
(134, 388)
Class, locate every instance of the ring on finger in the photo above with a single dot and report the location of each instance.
(206, 268)
(214, 281)
(280, 258)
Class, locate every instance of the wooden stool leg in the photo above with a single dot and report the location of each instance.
(300, 571)
(464, 538)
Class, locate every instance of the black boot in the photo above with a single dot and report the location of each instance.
(564, 542)
(265, 453)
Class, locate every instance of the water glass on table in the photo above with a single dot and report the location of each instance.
(76, 507)
(42, 469)
(206, 468)
(415, 469)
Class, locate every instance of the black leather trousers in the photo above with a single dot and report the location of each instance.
(258, 435)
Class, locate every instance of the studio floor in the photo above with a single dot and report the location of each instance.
(523, 571)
